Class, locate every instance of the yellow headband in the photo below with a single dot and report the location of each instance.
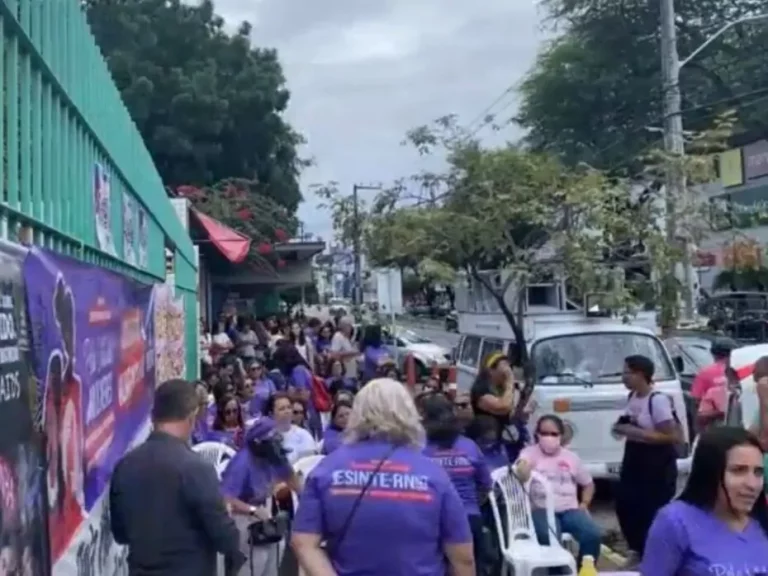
(493, 358)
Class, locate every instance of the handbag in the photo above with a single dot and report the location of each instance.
(269, 531)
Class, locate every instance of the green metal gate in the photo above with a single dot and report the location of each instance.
(61, 116)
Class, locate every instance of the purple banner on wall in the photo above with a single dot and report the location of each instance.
(93, 341)
(756, 160)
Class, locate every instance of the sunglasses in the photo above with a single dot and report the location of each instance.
(462, 404)
(298, 412)
(229, 411)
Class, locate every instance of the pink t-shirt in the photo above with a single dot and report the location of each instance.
(708, 377)
(565, 472)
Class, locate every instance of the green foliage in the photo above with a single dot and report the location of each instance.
(596, 89)
(207, 103)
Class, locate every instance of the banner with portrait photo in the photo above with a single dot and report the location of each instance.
(23, 538)
(93, 338)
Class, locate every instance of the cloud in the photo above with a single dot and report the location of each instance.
(361, 73)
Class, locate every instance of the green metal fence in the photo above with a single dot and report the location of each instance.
(63, 122)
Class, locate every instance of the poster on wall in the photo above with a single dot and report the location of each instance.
(129, 227)
(23, 539)
(102, 202)
(169, 330)
(94, 358)
(143, 242)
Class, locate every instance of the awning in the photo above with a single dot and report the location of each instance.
(233, 245)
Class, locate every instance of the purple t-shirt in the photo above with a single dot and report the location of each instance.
(332, 439)
(301, 379)
(411, 505)
(201, 430)
(467, 469)
(373, 356)
(262, 390)
(250, 481)
(228, 437)
(495, 455)
(685, 540)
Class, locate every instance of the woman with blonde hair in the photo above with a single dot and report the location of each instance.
(379, 487)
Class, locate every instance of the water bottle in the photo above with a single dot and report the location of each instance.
(588, 566)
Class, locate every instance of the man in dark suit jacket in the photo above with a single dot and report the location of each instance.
(164, 499)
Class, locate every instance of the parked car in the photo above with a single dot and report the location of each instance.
(425, 352)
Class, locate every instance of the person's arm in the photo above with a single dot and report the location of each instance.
(498, 405)
(482, 473)
(700, 384)
(760, 428)
(307, 532)
(200, 489)
(455, 534)
(665, 548)
(233, 483)
(584, 479)
(524, 464)
(666, 429)
(116, 519)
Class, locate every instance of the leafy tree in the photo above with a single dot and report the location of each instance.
(595, 91)
(207, 103)
(527, 214)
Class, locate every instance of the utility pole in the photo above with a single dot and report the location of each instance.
(358, 288)
(674, 144)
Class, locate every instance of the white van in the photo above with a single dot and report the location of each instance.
(578, 369)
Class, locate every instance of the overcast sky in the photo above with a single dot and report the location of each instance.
(362, 72)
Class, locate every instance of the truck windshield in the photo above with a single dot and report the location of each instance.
(596, 357)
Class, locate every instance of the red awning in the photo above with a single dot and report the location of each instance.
(233, 245)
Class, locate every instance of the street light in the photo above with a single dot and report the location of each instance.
(674, 141)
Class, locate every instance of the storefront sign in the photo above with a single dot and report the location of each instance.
(143, 256)
(731, 171)
(102, 202)
(23, 539)
(129, 230)
(93, 334)
(756, 160)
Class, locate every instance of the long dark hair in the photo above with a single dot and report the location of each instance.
(287, 357)
(299, 340)
(371, 337)
(440, 422)
(221, 405)
(708, 469)
(342, 403)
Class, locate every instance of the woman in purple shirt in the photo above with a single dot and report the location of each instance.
(228, 426)
(263, 388)
(463, 461)
(333, 435)
(374, 352)
(382, 507)
(337, 380)
(719, 524)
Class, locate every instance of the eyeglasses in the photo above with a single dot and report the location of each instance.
(550, 434)
(298, 412)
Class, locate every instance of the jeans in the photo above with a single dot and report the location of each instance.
(577, 523)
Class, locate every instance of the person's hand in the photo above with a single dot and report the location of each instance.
(523, 470)
(530, 407)
(622, 430)
(584, 507)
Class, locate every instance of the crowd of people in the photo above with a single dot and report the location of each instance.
(404, 484)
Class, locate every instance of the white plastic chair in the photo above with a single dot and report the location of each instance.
(216, 453)
(302, 467)
(518, 542)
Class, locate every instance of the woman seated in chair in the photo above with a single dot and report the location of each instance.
(566, 474)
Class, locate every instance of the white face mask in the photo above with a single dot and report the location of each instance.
(549, 444)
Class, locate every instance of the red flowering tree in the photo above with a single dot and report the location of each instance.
(238, 204)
